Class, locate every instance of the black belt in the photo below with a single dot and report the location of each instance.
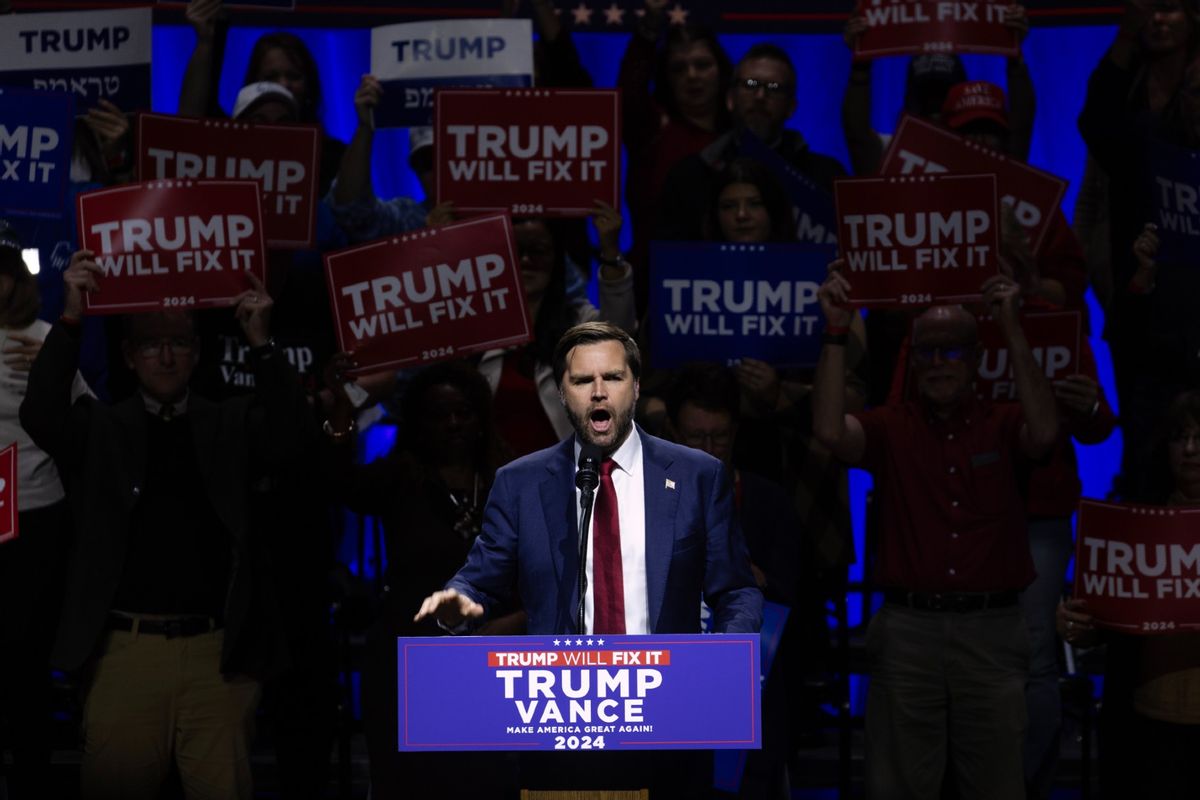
(959, 602)
(170, 628)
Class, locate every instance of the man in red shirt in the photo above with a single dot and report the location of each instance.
(949, 649)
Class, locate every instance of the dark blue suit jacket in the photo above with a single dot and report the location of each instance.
(693, 543)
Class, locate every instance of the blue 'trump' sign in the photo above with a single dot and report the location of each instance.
(723, 302)
(579, 693)
(1174, 175)
(413, 60)
(91, 54)
(35, 151)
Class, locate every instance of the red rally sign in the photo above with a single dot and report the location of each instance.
(171, 244)
(549, 152)
(922, 148)
(917, 240)
(8, 494)
(1138, 567)
(282, 159)
(898, 27)
(1054, 338)
(429, 295)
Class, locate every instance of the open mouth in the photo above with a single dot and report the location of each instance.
(600, 421)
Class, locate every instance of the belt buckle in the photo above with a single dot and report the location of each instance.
(172, 628)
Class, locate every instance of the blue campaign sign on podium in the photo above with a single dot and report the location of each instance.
(541, 693)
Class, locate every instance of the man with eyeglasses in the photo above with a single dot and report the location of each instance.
(167, 601)
(761, 98)
(950, 648)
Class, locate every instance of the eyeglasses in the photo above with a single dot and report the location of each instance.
(178, 346)
(926, 355)
(770, 88)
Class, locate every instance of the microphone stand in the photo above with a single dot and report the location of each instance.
(587, 496)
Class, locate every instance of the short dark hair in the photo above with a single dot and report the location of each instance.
(773, 52)
(595, 333)
(707, 386)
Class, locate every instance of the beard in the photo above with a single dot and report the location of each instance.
(619, 424)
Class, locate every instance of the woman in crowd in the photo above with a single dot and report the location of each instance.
(429, 493)
(672, 105)
(31, 564)
(278, 57)
(1150, 717)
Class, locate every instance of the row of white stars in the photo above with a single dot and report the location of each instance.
(615, 15)
(578, 642)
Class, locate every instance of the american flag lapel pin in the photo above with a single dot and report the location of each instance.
(670, 483)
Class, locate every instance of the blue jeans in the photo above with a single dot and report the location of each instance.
(1051, 547)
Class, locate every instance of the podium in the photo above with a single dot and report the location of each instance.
(541, 694)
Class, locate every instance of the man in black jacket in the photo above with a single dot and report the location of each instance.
(167, 601)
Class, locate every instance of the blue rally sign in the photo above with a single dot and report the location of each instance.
(1174, 175)
(91, 54)
(415, 59)
(723, 302)
(36, 131)
(579, 693)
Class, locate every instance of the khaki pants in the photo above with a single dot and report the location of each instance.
(153, 700)
(947, 689)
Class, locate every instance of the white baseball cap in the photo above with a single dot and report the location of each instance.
(253, 94)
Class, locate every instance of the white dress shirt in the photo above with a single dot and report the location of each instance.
(629, 480)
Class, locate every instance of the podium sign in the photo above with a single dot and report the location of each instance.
(541, 693)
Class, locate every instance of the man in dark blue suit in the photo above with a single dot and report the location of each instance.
(663, 531)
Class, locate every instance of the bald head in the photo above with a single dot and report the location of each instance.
(945, 356)
(946, 325)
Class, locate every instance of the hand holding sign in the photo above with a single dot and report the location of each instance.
(1002, 297)
(1074, 624)
(1145, 251)
(834, 295)
(110, 127)
(203, 16)
(80, 277)
(1016, 19)
(253, 311)
(1078, 394)
(366, 100)
(21, 351)
(450, 608)
(608, 230)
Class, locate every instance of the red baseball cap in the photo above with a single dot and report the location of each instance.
(972, 101)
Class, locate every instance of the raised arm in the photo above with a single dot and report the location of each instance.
(1022, 100)
(863, 143)
(354, 177)
(1040, 431)
(197, 96)
(832, 426)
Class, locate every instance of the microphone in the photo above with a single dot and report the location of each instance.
(588, 476)
(586, 480)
